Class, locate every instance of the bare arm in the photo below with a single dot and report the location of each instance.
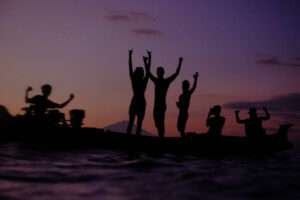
(237, 117)
(267, 114)
(130, 63)
(195, 83)
(27, 99)
(207, 119)
(174, 76)
(147, 64)
(62, 105)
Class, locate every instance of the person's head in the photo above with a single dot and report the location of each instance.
(216, 110)
(185, 86)
(138, 73)
(252, 113)
(160, 72)
(46, 90)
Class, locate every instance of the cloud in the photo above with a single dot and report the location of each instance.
(277, 62)
(289, 102)
(147, 32)
(135, 17)
(129, 16)
(118, 18)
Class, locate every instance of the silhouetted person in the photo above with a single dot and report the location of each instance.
(215, 122)
(184, 103)
(139, 81)
(253, 125)
(41, 103)
(161, 88)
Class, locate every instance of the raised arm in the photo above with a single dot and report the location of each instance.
(195, 82)
(237, 117)
(66, 102)
(174, 76)
(267, 114)
(130, 63)
(27, 99)
(149, 58)
(147, 63)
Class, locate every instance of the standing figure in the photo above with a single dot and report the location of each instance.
(215, 122)
(139, 81)
(253, 125)
(41, 103)
(184, 103)
(161, 88)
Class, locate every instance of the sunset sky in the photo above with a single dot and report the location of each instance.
(243, 50)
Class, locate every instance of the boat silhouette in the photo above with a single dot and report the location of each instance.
(66, 137)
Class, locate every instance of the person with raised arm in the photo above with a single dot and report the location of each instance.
(139, 81)
(41, 103)
(184, 103)
(161, 88)
(253, 125)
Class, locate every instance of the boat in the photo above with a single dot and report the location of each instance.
(68, 138)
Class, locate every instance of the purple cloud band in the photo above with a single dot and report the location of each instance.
(277, 62)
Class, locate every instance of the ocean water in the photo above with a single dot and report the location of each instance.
(100, 174)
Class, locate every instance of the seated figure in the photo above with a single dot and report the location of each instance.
(215, 122)
(253, 125)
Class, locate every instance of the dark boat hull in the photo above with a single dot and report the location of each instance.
(194, 144)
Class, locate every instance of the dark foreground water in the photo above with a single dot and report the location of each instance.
(98, 174)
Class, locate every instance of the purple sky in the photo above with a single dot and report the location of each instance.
(243, 50)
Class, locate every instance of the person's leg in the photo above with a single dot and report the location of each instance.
(184, 121)
(156, 119)
(131, 119)
(140, 119)
(141, 109)
(161, 123)
(180, 124)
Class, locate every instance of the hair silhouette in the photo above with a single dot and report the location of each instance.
(161, 88)
(40, 104)
(139, 81)
(184, 103)
(253, 125)
(215, 122)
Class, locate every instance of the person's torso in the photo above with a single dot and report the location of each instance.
(253, 126)
(41, 104)
(216, 125)
(161, 88)
(184, 101)
(139, 88)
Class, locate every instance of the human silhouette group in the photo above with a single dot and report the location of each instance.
(41, 107)
(215, 122)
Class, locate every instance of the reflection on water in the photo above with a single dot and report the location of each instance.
(99, 174)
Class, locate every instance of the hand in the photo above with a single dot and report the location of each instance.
(29, 89)
(149, 52)
(196, 75)
(237, 112)
(130, 51)
(180, 59)
(72, 96)
(145, 59)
